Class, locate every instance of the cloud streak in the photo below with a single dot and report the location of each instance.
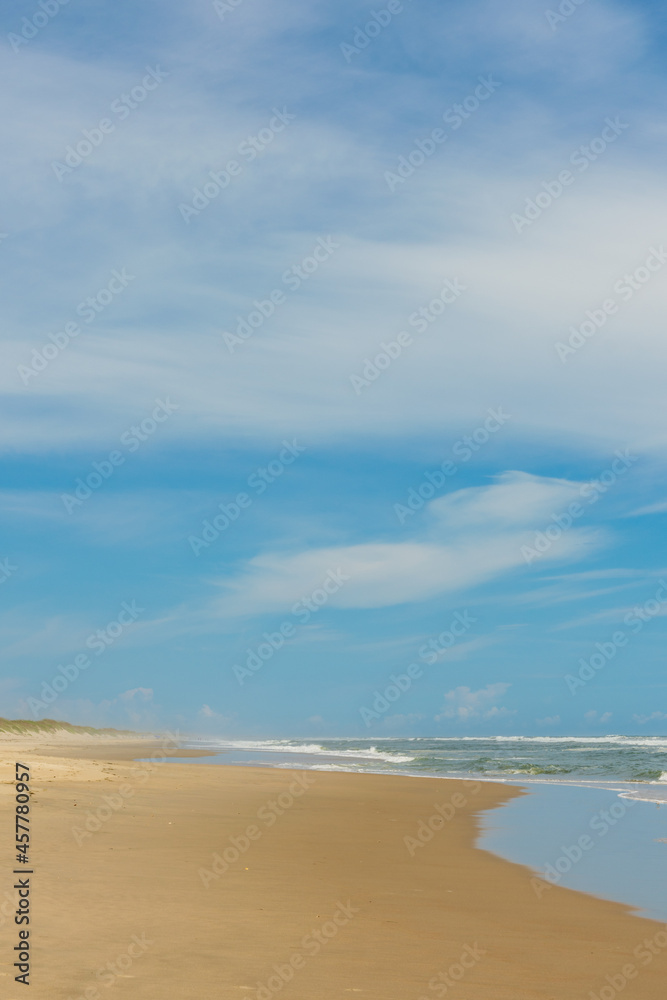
(477, 536)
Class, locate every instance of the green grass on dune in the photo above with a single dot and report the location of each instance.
(22, 726)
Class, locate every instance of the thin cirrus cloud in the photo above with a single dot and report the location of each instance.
(476, 535)
(516, 498)
(660, 507)
(295, 372)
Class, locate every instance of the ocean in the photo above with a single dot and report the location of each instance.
(610, 789)
(637, 759)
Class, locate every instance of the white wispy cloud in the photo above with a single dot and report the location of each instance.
(660, 507)
(465, 705)
(476, 535)
(653, 717)
(598, 717)
(163, 334)
(549, 720)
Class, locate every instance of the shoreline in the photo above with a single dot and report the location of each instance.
(624, 786)
(130, 747)
(515, 841)
(232, 872)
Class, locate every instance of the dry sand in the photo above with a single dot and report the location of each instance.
(137, 906)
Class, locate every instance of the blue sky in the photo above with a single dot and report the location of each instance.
(412, 328)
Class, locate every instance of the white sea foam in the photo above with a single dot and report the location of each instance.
(655, 742)
(553, 759)
(312, 749)
(332, 767)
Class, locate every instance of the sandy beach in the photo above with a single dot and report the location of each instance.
(156, 880)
